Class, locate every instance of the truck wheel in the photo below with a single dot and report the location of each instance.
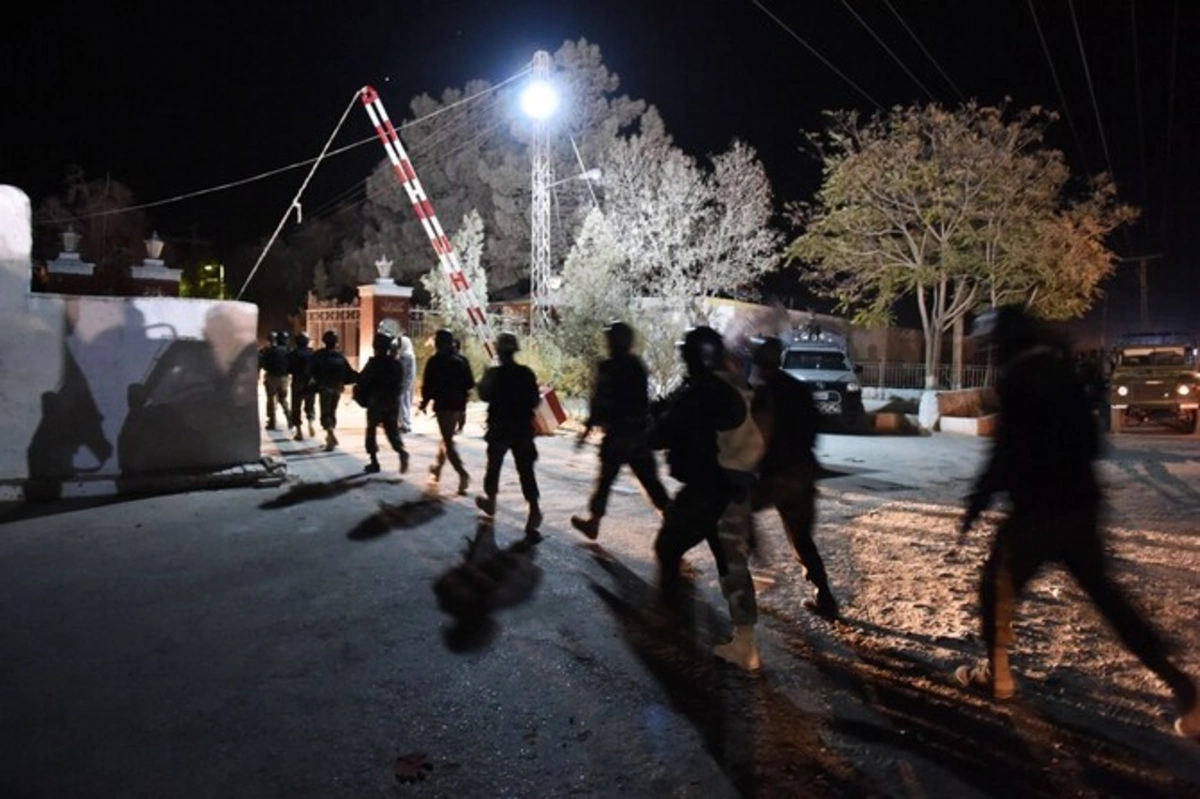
(1116, 420)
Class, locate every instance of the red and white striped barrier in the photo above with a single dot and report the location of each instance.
(403, 169)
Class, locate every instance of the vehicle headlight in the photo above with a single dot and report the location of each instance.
(1184, 389)
(1122, 391)
(852, 387)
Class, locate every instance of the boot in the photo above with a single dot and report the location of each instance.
(487, 504)
(403, 461)
(373, 466)
(742, 651)
(312, 431)
(299, 434)
(822, 604)
(588, 525)
(1188, 723)
(1000, 684)
(330, 441)
(533, 521)
(464, 482)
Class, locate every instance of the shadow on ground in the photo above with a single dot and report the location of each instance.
(404, 515)
(765, 744)
(309, 492)
(488, 579)
(1033, 746)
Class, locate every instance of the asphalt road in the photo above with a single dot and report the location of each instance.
(288, 642)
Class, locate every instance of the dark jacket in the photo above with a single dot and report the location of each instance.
(447, 382)
(621, 396)
(331, 370)
(1046, 440)
(300, 365)
(686, 424)
(784, 409)
(379, 383)
(512, 394)
(273, 360)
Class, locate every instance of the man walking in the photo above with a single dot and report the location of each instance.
(304, 393)
(1042, 456)
(408, 360)
(511, 392)
(331, 372)
(786, 414)
(713, 447)
(273, 360)
(378, 390)
(446, 383)
(619, 405)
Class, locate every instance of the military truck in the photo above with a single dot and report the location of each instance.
(1154, 377)
(821, 359)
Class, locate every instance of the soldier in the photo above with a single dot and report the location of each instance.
(331, 372)
(784, 410)
(712, 446)
(446, 383)
(273, 360)
(619, 405)
(511, 392)
(304, 393)
(378, 390)
(1042, 456)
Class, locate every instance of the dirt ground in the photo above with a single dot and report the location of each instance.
(1088, 719)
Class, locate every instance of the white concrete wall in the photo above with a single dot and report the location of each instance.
(118, 387)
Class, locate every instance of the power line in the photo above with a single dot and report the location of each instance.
(1170, 107)
(1137, 91)
(928, 55)
(817, 55)
(296, 199)
(888, 50)
(1062, 98)
(1087, 72)
(280, 170)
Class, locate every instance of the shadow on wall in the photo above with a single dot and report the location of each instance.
(71, 421)
(191, 407)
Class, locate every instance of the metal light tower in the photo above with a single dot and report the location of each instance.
(539, 102)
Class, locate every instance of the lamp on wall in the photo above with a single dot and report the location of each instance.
(154, 246)
(70, 239)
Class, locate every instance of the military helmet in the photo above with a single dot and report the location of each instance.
(382, 343)
(507, 343)
(329, 338)
(619, 335)
(702, 349)
(301, 339)
(768, 352)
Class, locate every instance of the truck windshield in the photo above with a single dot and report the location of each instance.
(1154, 356)
(816, 359)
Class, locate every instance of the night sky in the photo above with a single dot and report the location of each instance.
(173, 98)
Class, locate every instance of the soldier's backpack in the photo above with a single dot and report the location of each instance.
(741, 449)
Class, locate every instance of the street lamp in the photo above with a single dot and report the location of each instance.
(539, 101)
(154, 246)
(70, 239)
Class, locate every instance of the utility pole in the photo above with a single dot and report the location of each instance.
(1143, 284)
(540, 212)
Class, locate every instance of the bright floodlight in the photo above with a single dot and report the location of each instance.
(539, 100)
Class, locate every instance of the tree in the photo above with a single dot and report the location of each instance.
(113, 233)
(475, 155)
(468, 243)
(954, 207)
(595, 288)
